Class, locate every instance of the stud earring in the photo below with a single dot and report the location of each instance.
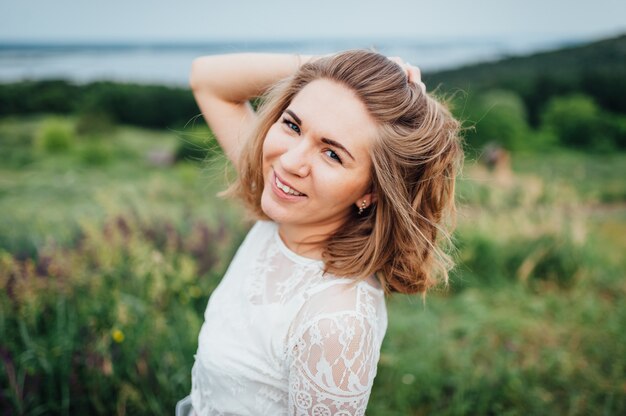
(362, 207)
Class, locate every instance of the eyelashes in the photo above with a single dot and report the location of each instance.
(291, 125)
(296, 129)
(333, 155)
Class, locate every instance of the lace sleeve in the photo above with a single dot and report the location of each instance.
(333, 366)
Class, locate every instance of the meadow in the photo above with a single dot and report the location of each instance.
(112, 239)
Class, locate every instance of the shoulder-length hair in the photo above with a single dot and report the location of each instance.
(415, 159)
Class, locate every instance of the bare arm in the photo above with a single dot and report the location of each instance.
(223, 84)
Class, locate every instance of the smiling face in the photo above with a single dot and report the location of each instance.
(316, 161)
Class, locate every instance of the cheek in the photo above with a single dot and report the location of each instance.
(340, 185)
(271, 143)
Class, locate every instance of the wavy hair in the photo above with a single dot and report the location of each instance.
(415, 159)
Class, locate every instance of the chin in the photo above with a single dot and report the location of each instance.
(269, 208)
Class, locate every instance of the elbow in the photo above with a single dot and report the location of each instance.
(194, 74)
(202, 72)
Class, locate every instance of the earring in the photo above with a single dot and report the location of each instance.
(362, 207)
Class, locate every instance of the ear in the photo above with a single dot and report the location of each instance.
(369, 198)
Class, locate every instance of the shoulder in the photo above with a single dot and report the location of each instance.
(335, 347)
(344, 303)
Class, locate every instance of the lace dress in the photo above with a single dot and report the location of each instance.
(282, 338)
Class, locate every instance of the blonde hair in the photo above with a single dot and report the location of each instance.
(415, 159)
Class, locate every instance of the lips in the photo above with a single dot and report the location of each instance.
(285, 186)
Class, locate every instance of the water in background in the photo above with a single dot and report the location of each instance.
(169, 64)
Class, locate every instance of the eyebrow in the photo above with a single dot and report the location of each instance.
(324, 139)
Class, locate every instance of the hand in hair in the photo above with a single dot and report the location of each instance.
(413, 73)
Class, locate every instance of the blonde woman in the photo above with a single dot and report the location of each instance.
(349, 169)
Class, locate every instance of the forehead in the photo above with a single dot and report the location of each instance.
(333, 111)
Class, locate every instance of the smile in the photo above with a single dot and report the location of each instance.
(286, 189)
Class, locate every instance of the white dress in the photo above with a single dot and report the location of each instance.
(282, 338)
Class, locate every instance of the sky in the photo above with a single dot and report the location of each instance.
(211, 20)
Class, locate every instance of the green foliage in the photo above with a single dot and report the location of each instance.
(487, 352)
(108, 326)
(101, 300)
(578, 122)
(496, 93)
(48, 96)
(500, 117)
(96, 153)
(574, 119)
(55, 136)
(141, 105)
(92, 123)
(196, 144)
(16, 142)
(596, 69)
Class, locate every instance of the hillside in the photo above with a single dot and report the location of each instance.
(597, 69)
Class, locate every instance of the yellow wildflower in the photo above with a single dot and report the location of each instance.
(118, 336)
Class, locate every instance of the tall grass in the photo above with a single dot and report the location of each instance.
(533, 321)
(105, 271)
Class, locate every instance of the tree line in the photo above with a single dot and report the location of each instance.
(573, 97)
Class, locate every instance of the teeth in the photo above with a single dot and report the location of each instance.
(287, 189)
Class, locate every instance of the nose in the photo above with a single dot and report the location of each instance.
(296, 159)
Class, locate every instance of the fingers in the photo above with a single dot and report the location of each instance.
(413, 73)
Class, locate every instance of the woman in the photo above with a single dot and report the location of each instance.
(349, 169)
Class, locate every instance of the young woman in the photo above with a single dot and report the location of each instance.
(349, 169)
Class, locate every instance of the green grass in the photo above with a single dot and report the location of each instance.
(598, 178)
(105, 270)
(46, 197)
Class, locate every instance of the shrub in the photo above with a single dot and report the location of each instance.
(500, 117)
(55, 135)
(578, 122)
(94, 123)
(95, 153)
(142, 105)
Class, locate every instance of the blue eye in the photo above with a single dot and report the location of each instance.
(293, 126)
(333, 155)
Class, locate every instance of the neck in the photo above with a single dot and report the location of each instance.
(307, 240)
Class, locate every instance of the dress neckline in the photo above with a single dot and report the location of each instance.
(292, 255)
(307, 261)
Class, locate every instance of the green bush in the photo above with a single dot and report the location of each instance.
(579, 122)
(141, 105)
(499, 117)
(95, 153)
(95, 123)
(55, 135)
(47, 96)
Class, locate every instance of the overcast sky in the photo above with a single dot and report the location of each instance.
(218, 20)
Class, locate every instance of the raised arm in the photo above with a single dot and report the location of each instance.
(223, 85)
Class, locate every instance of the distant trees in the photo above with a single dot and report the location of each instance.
(575, 120)
(579, 122)
(498, 116)
(573, 97)
(141, 105)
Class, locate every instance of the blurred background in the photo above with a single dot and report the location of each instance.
(112, 237)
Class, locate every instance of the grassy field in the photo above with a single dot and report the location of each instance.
(107, 262)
